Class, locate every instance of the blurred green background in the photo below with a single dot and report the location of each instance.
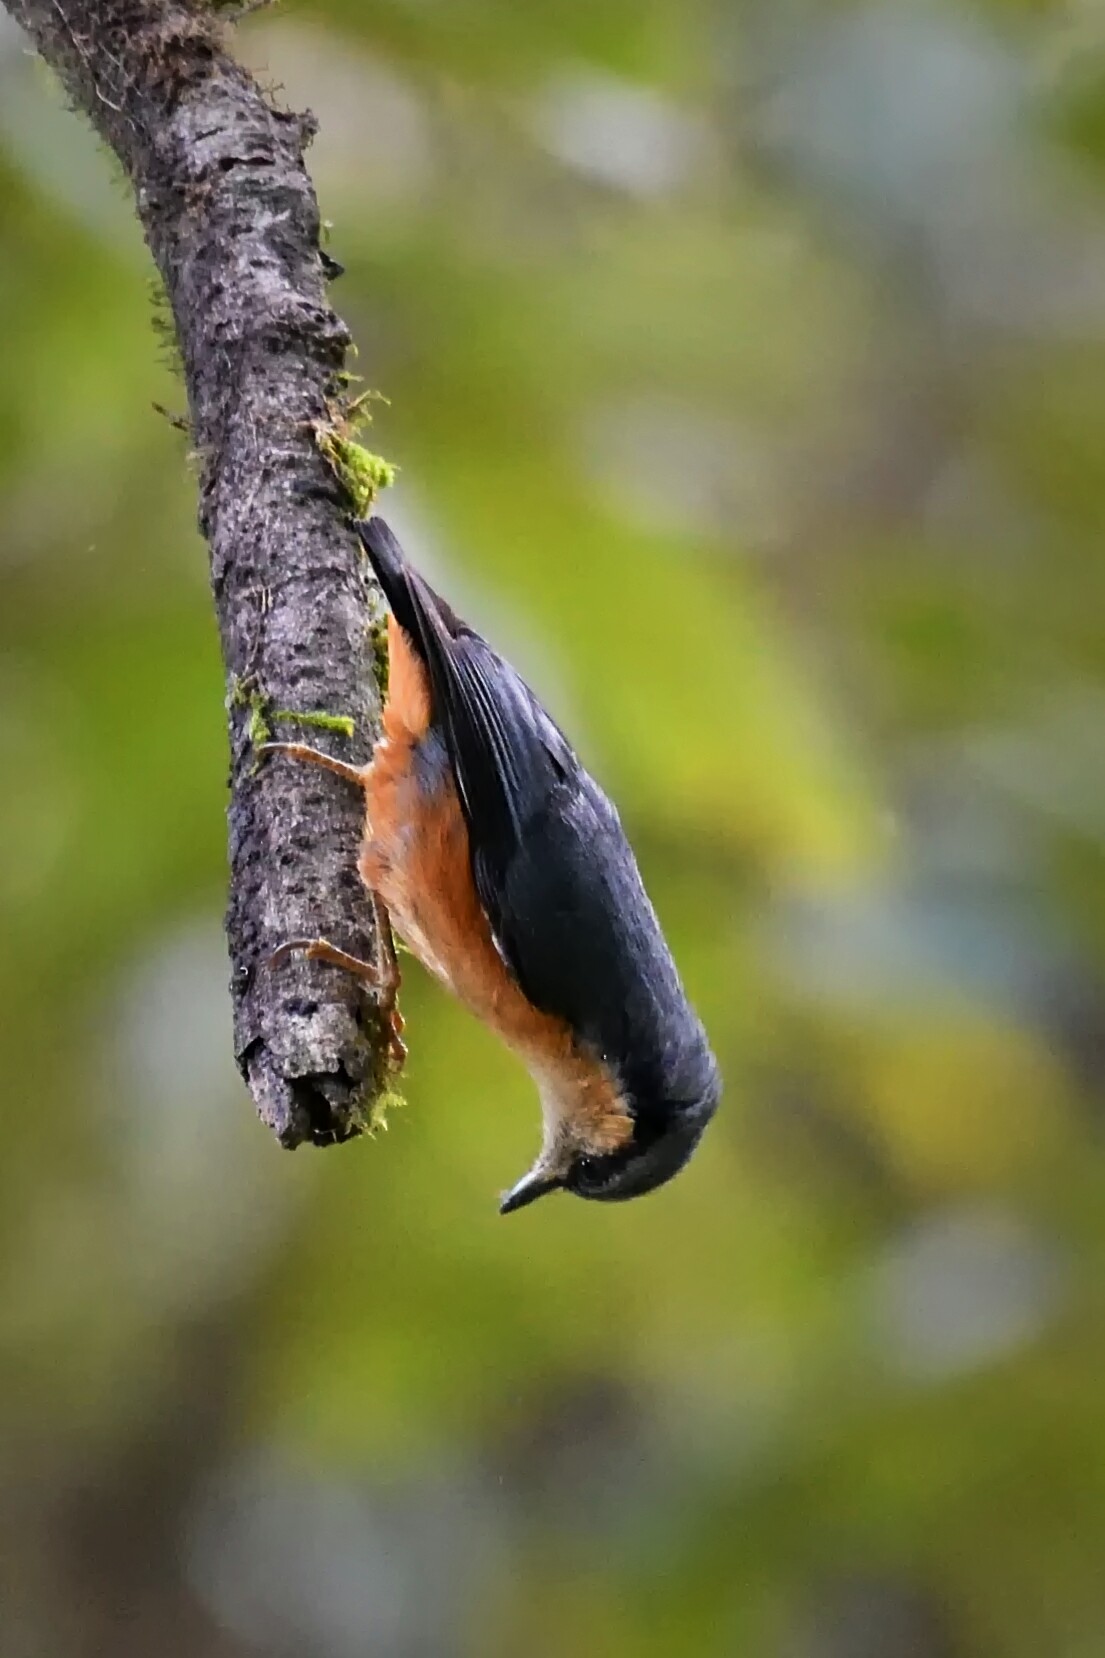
(747, 378)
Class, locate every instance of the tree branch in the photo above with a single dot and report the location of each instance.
(231, 219)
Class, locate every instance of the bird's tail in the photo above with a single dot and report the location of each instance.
(412, 600)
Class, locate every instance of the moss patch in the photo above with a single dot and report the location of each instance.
(387, 1100)
(316, 717)
(246, 693)
(361, 473)
(378, 645)
(164, 328)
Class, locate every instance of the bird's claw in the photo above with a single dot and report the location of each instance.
(385, 986)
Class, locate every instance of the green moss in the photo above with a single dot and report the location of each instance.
(164, 328)
(378, 645)
(260, 730)
(320, 720)
(246, 693)
(361, 473)
(388, 1099)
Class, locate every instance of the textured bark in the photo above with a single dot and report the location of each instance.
(231, 220)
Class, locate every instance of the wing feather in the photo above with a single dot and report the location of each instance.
(555, 875)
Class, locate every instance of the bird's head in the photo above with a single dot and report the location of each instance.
(638, 1144)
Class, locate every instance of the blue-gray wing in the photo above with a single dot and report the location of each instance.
(554, 872)
(573, 921)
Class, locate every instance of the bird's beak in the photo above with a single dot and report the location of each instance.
(531, 1186)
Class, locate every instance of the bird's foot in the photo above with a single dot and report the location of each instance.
(315, 757)
(383, 978)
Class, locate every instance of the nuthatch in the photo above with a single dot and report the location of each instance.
(507, 873)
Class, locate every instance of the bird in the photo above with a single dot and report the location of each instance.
(506, 871)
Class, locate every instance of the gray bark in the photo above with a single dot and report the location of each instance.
(231, 220)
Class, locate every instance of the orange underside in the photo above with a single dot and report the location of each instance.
(415, 855)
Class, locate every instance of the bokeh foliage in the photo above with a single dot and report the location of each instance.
(746, 370)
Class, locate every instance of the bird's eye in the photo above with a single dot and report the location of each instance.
(587, 1168)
